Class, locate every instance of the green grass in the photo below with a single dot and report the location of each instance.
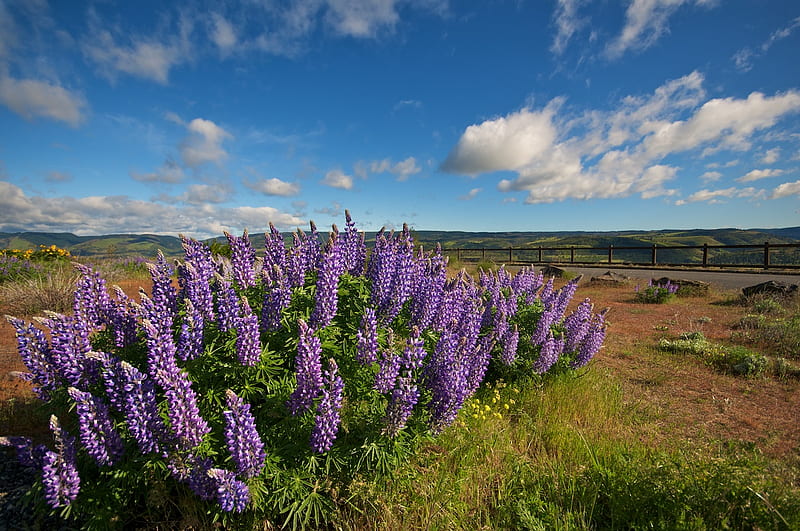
(565, 455)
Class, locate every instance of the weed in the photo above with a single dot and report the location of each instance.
(32, 295)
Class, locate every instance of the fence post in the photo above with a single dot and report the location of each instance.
(572, 254)
(610, 253)
(540, 254)
(510, 255)
(653, 255)
(458, 254)
(705, 254)
(766, 254)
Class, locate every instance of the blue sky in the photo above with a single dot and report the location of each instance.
(197, 117)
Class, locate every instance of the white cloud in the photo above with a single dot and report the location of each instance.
(402, 170)
(771, 156)
(145, 57)
(567, 23)
(58, 177)
(711, 176)
(713, 196)
(223, 34)
(470, 195)
(121, 214)
(645, 22)
(785, 190)
(616, 153)
(743, 58)
(202, 194)
(169, 172)
(755, 175)
(338, 179)
(361, 18)
(273, 187)
(31, 98)
(204, 143)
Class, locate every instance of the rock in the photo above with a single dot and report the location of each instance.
(686, 286)
(771, 287)
(610, 278)
(552, 271)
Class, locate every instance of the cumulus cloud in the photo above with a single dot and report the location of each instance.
(338, 179)
(616, 153)
(755, 175)
(645, 22)
(785, 190)
(273, 187)
(204, 143)
(711, 176)
(31, 98)
(401, 170)
(120, 214)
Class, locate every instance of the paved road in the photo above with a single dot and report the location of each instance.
(727, 280)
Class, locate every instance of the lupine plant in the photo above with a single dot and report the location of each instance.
(260, 386)
(656, 292)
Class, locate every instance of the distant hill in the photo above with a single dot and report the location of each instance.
(127, 245)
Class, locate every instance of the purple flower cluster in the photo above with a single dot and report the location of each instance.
(243, 258)
(327, 297)
(275, 249)
(227, 304)
(96, 427)
(91, 299)
(277, 297)
(195, 275)
(367, 338)
(190, 339)
(308, 370)
(59, 471)
(241, 437)
(34, 350)
(326, 423)
(248, 345)
(353, 249)
(232, 494)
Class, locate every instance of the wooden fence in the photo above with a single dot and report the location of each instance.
(757, 256)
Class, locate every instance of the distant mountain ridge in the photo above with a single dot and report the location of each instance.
(126, 245)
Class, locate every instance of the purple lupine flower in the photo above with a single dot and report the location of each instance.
(510, 340)
(161, 352)
(185, 421)
(576, 325)
(243, 258)
(405, 275)
(546, 319)
(242, 438)
(414, 353)
(327, 297)
(277, 297)
(248, 338)
(275, 249)
(69, 342)
(133, 394)
(59, 472)
(592, 342)
(401, 404)
(232, 494)
(308, 368)
(163, 292)
(355, 252)
(91, 298)
(479, 363)
(564, 296)
(549, 353)
(380, 269)
(195, 276)
(388, 367)
(34, 350)
(295, 262)
(121, 317)
(227, 304)
(326, 423)
(190, 340)
(446, 378)
(96, 427)
(367, 338)
(428, 292)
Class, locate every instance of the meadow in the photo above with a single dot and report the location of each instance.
(685, 419)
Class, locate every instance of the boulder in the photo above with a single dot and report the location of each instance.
(610, 278)
(553, 271)
(771, 287)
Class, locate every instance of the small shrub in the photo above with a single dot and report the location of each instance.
(731, 359)
(656, 293)
(15, 268)
(52, 290)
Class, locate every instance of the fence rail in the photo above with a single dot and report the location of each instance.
(766, 255)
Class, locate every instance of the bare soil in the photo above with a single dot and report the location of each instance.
(683, 399)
